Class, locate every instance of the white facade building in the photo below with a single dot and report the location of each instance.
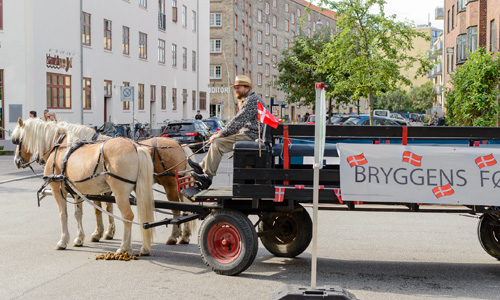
(158, 47)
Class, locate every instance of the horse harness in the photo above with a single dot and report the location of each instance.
(62, 177)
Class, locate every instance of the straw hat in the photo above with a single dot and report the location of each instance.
(243, 80)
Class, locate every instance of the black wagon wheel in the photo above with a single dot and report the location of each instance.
(488, 231)
(227, 241)
(286, 234)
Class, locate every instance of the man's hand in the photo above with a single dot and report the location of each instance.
(213, 137)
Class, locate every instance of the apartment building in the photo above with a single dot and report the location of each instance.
(247, 38)
(469, 24)
(73, 61)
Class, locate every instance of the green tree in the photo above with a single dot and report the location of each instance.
(422, 97)
(393, 101)
(371, 47)
(473, 99)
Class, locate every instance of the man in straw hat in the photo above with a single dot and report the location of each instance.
(242, 127)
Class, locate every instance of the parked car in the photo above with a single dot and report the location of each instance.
(365, 120)
(382, 113)
(214, 124)
(193, 132)
(339, 120)
(311, 120)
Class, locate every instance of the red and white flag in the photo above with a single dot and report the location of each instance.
(338, 194)
(300, 186)
(279, 194)
(266, 117)
(485, 161)
(444, 190)
(412, 158)
(357, 160)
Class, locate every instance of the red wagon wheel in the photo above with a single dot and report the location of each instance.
(227, 241)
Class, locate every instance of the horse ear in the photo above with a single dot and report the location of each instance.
(20, 122)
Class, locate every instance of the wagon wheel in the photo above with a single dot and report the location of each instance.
(286, 234)
(488, 231)
(228, 242)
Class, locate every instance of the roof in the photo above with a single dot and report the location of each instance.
(327, 13)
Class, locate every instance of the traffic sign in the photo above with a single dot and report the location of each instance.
(127, 93)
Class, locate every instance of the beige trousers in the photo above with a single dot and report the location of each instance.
(222, 145)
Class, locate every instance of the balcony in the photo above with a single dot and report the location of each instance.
(162, 24)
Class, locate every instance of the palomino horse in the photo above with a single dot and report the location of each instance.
(168, 157)
(116, 166)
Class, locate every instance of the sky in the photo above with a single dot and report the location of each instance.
(413, 10)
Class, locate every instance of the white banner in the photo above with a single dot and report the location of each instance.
(420, 174)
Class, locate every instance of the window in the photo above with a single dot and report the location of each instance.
(242, 27)
(249, 33)
(216, 20)
(461, 5)
(259, 16)
(293, 18)
(108, 88)
(259, 58)
(143, 45)
(193, 20)
(274, 3)
(193, 63)
(107, 35)
(184, 16)
(492, 35)
(174, 55)
(275, 21)
(215, 72)
(153, 93)
(125, 40)
(452, 59)
(163, 97)
(461, 44)
(161, 51)
(267, 28)
(267, 8)
(452, 17)
(58, 91)
(299, 13)
(314, 26)
(259, 79)
(235, 48)
(203, 101)
(174, 11)
(162, 20)
(215, 46)
(286, 7)
(184, 95)
(448, 22)
(87, 93)
(287, 25)
(86, 29)
(126, 104)
(174, 98)
(140, 96)
(267, 69)
(143, 3)
(267, 49)
(275, 41)
(472, 38)
(259, 37)
(184, 58)
(267, 91)
(235, 22)
(193, 98)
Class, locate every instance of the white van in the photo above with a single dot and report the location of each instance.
(382, 113)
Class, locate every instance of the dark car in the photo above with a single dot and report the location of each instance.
(193, 132)
(214, 124)
(365, 120)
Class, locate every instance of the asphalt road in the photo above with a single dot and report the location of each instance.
(374, 255)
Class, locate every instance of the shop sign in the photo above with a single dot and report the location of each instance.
(56, 62)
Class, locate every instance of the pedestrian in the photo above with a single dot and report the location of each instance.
(45, 115)
(442, 120)
(434, 119)
(244, 126)
(306, 116)
(51, 116)
(32, 114)
(198, 116)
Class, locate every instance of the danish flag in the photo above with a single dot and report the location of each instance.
(266, 117)
(279, 194)
(444, 190)
(300, 186)
(339, 195)
(412, 158)
(485, 161)
(357, 160)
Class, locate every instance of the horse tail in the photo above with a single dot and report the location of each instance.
(144, 193)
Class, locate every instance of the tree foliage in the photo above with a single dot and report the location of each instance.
(393, 101)
(473, 99)
(422, 97)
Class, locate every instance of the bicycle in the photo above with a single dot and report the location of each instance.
(141, 131)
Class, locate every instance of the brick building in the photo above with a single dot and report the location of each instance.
(247, 37)
(469, 24)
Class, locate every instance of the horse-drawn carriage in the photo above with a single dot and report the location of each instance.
(274, 181)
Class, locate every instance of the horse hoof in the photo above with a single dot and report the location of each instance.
(123, 251)
(108, 236)
(171, 241)
(144, 252)
(77, 243)
(184, 241)
(61, 245)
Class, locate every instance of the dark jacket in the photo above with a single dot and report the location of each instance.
(246, 120)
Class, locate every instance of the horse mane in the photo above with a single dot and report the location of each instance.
(38, 136)
(77, 131)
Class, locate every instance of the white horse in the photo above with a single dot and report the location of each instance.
(122, 168)
(168, 155)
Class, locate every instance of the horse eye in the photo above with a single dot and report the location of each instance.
(15, 141)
